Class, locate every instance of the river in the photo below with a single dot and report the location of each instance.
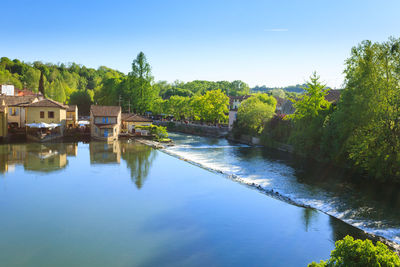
(126, 204)
(372, 207)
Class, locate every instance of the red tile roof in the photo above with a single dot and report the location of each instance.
(47, 103)
(98, 111)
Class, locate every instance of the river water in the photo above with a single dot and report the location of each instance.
(371, 207)
(126, 204)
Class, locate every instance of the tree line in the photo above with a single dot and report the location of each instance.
(361, 131)
(136, 91)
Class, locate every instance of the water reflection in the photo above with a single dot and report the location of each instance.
(36, 157)
(51, 157)
(105, 153)
(309, 216)
(139, 159)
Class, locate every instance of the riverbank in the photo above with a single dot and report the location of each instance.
(208, 162)
(192, 128)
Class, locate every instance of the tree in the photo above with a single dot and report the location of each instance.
(41, 83)
(367, 121)
(83, 99)
(141, 68)
(214, 106)
(141, 92)
(254, 112)
(311, 111)
(358, 253)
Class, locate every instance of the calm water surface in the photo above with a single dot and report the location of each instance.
(125, 204)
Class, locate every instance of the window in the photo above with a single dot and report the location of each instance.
(42, 114)
(13, 111)
(50, 114)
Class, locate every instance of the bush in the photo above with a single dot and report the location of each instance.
(159, 132)
(350, 252)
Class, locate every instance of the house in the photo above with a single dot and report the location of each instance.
(130, 121)
(49, 112)
(234, 103)
(72, 116)
(16, 112)
(105, 122)
(3, 120)
(333, 96)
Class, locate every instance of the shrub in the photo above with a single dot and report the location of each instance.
(354, 253)
(159, 132)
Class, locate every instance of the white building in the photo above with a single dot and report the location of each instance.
(7, 89)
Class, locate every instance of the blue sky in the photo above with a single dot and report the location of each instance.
(276, 43)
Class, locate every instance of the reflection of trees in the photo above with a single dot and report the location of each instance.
(138, 158)
(309, 215)
(341, 229)
(3, 158)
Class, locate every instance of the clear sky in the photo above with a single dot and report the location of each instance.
(276, 43)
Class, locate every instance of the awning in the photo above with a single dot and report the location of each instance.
(82, 123)
(43, 125)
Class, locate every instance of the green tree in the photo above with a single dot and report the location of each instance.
(358, 253)
(254, 112)
(141, 92)
(83, 99)
(311, 112)
(366, 124)
(214, 106)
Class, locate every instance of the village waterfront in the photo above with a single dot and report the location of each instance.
(127, 204)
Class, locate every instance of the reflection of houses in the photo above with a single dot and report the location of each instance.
(103, 153)
(129, 121)
(45, 159)
(3, 120)
(234, 103)
(72, 149)
(16, 113)
(33, 156)
(72, 116)
(105, 122)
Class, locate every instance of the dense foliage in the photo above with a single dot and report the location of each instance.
(366, 124)
(362, 130)
(308, 119)
(211, 107)
(159, 132)
(254, 112)
(135, 92)
(358, 253)
(56, 81)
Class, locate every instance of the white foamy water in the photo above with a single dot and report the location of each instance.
(256, 167)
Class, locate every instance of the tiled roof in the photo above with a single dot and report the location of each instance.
(333, 95)
(47, 103)
(240, 98)
(280, 101)
(17, 100)
(134, 118)
(112, 111)
(71, 108)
